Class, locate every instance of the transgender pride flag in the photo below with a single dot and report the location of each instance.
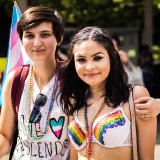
(16, 53)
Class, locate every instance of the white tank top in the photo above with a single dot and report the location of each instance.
(55, 143)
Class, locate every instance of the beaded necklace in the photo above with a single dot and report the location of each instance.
(31, 100)
(89, 130)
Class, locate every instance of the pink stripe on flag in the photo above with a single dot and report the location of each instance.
(14, 37)
(19, 62)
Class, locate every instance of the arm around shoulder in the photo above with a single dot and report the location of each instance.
(7, 117)
(146, 130)
(147, 105)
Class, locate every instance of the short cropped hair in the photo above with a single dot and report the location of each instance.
(35, 15)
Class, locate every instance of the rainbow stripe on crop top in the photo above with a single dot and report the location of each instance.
(109, 121)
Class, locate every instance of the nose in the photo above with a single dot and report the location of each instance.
(90, 66)
(37, 41)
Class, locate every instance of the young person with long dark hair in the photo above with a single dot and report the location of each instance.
(95, 93)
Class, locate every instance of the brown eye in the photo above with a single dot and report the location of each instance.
(45, 34)
(81, 60)
(97, 58)
(29, 36)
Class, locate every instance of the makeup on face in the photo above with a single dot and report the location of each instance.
(99, 56)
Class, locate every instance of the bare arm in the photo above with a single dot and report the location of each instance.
(73, 152)
(147, 105)
(146, 130)
(7, 118)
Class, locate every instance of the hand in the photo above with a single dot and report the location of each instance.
(147, 107)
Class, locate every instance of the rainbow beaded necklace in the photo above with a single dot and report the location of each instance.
(89, 129)
(31, 100)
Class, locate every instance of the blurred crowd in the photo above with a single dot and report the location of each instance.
(141, 72)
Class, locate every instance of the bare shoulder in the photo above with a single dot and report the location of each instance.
(9, 79)
(140, 91)
(8, 85)
(7, 118)
(6, 96)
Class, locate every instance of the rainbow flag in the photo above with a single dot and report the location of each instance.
(16, 53)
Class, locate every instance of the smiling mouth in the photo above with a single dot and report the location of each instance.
(42, 50)
(91, 75)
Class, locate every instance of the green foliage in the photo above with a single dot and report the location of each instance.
(104, 13)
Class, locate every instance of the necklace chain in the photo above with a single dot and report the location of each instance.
(89, 130)
(31, 100)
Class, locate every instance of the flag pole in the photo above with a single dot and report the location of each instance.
(14, 1)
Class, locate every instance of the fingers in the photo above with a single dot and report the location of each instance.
(142, 100)
(147, 105)
(143, 114)
(142, 106)
(143, 103)
(143, 111)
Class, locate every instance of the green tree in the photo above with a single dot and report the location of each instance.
(104, 13)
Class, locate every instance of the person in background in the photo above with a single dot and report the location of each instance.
(134, 72)
(42, 124)
(148, 106)
(145, 61)
(95, 93)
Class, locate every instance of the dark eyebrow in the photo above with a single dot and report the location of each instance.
(44, 31)
(95, 54)
(27, 32)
